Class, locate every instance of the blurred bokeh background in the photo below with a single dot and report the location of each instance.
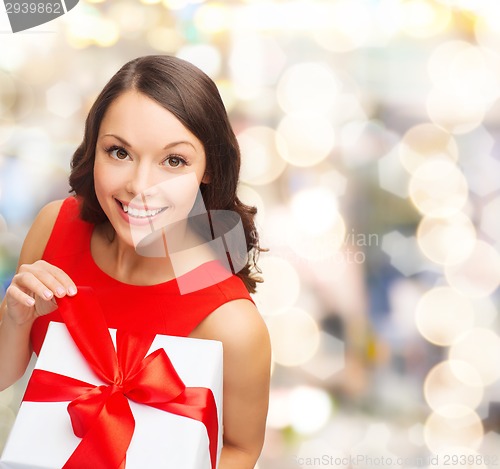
(368, 130)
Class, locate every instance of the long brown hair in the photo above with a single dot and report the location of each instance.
(194, 99)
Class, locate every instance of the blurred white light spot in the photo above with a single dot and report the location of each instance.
(310, 409)
(63, 99)
(487, 25)
(307, 138)
(456, 115)
(423, 18)
(463, 429)
(425, 141)
(438, 188)
(480, 348)
(442, 314)
(294, 337)
(213, 17)
(261, 163)
(479, 274)
(446, 240)
(446, 394)
(308, 87)
(315, 210)
(312, 237)
(255, 61)
(204, 56)
(350, 23)
(466, 83)
(164, 39)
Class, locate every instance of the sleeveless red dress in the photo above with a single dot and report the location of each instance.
(160, 308)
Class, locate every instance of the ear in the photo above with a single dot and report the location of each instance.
(206, 179)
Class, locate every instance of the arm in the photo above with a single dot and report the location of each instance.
(31, 294)
(247, 358)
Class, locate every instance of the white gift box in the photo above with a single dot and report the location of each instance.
(42, 436)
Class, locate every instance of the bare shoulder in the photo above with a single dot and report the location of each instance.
(238, 325)
(39, 233)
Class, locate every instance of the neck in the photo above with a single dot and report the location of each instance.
(164, 255)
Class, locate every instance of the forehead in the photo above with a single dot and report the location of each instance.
(135, 115)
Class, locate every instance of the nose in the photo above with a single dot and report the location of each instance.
(140, 181)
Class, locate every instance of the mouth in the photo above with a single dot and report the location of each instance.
(140, 213)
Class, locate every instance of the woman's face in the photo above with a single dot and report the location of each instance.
(148, 167)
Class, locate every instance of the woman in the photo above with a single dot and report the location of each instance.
(158, 155)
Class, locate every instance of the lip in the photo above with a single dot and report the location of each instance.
(143, 221)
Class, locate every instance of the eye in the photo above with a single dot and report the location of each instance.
(118, 153)
(174, 161)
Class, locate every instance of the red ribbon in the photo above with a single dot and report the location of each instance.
(101, 415)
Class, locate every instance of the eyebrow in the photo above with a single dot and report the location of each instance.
(166, 147)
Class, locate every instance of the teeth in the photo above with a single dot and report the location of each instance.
(134, 212)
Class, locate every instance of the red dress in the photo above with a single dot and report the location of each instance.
(160, 308)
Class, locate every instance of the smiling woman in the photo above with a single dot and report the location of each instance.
(157, 163)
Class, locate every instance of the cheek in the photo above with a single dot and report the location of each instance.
(182, 190)
(104, 184)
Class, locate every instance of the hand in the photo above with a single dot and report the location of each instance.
(34, 289)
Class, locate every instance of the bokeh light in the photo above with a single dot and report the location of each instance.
(316, 211)
(294, 336)
(466, 83)
(480, 348)
(261, 161)
(424, 18)
(446, 240)
(442, 314)
(479, 274)
(204, 56)
(310, 409)
(307, 138)
(318, 229)
(308, 87)
(213, 17)
(449, 396)
(487, 26)
(461, 427)
(349, 24)
(423, 142)
(438, 188)
(63, 99)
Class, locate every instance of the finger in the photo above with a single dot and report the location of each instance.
(54, 278)
(41, 284)
(19, 296)
(63, 278)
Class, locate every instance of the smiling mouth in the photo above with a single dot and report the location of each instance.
(140, 213)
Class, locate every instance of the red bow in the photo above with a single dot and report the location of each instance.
(101, 415)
